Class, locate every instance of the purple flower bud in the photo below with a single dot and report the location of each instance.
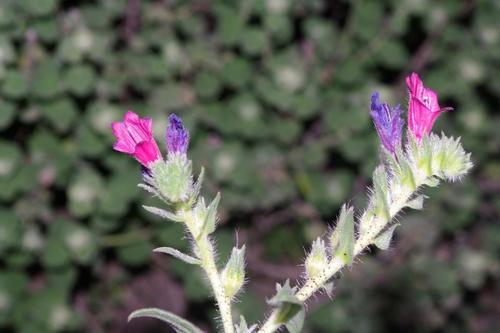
(177, 136)
(388, 123)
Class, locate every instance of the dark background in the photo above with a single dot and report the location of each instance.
(276, 95)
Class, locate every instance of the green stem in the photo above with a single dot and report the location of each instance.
(207, 256)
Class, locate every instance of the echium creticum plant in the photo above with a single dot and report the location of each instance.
(406, 167)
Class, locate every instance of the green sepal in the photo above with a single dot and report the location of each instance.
(328, 288)
(402, 174)
(416, 203)
(421, 154)
(380, 193)
(431, 182)
(450, 160)
(342, 238)
(384, 239)
(296, 324)
(179, 255)
(180, 325)
(243, 327)
(195, 191)
(210, 221)
(286, 302)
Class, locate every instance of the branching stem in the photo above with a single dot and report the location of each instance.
(312, 285)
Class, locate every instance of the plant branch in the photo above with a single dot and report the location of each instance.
(206, 254)
(314, 284)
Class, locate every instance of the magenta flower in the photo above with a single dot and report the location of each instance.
(423, 108)
(177, 136)
(388, 123)
(135, 137)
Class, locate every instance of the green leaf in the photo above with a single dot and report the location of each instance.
(7, 114)
(384, 239)
(46, 79)
(61, 113)
(80, 80)
(237, 72)
(10, 159)
(83, 192)
(14, 84)
(207, 85)
(39, 7)
(80, 242)
(229, 25)
(163, 213)
(179, 324)
(178, 254)
(10, 231)
(342, 238)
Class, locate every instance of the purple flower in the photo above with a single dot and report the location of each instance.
(177, 136)
(388, 123)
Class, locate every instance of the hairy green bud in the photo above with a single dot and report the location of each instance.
(342, 238)
(317, 259)
(173, 178)
(233, 275)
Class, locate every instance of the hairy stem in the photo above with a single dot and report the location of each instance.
(207, 256)
(312, 285)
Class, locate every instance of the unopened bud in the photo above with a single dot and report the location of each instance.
(173, 178)
(342, 238)
(317, 259)
(233, 275)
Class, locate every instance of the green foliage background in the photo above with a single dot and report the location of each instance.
(275, 94)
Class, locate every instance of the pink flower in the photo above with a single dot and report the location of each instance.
(423, 108)
(135, 137)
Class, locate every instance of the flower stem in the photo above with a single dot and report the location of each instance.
(207, 256)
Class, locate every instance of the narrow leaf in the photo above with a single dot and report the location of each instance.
(178, 254)
(384, 239)
(179, 324)
(163, 213)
